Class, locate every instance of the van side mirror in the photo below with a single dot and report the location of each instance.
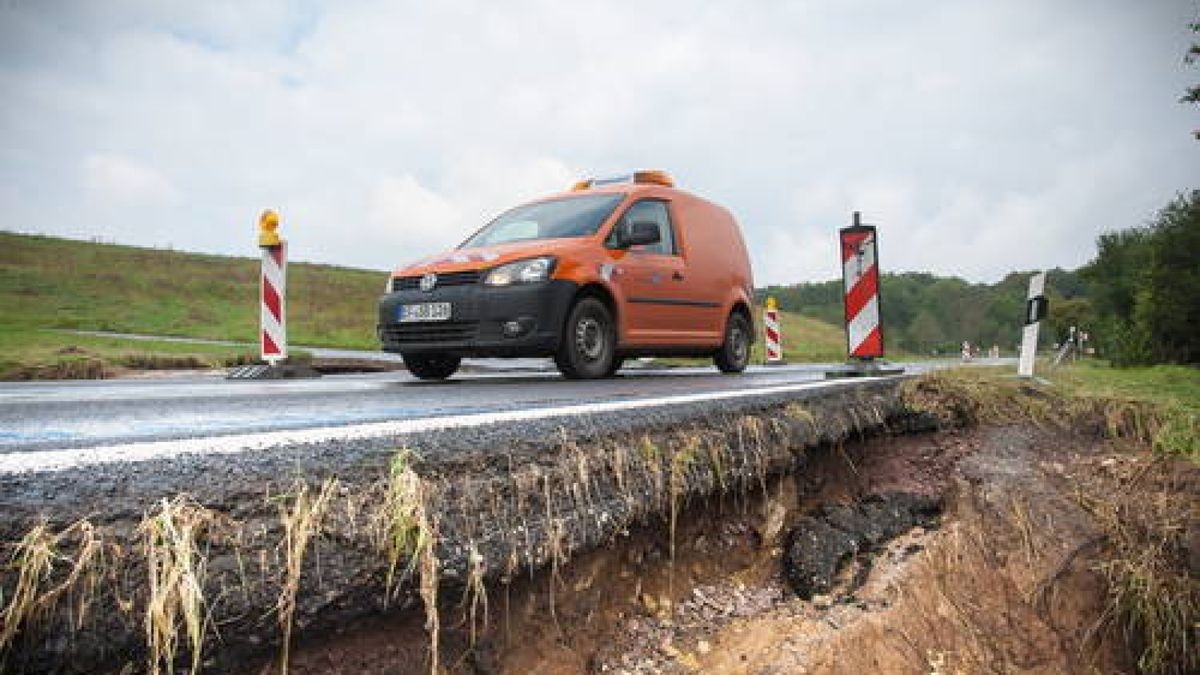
(640, 233)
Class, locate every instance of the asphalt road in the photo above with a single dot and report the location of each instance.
(41, 415)
(60, 424)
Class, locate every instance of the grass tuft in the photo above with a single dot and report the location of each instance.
(475, 592)
(1145, 512)
(176, 567)
(402, 517)
(35, 558)
(301, 523)
(407, 531)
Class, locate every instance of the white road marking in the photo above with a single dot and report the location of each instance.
(46, 461)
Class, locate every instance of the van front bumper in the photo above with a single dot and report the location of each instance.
(518, 320)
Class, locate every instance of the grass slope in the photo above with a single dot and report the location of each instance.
(48, 283)
(805, 339)
(58, 283)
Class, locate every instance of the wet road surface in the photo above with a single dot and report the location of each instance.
(39, 415)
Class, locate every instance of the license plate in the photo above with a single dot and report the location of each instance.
(426, 311)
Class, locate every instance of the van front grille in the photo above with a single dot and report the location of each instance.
(443, 279)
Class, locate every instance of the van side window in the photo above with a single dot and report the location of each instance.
(653, 211)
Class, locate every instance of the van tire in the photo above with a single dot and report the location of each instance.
(431, 366)
(589, 342)
(734, 354)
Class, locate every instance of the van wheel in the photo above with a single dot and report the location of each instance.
(431, 366)
(588, 344)
(734, 353)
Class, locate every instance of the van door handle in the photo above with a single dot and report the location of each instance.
(677, 275)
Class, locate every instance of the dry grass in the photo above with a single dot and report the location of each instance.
(301, 523)
(33, 557)
(35, 594)
(176, 566)
(1145, 514)
(475, 597)
(428, 567)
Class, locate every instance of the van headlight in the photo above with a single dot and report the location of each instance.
(528, 271)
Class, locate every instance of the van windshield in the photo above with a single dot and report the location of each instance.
(565, 217)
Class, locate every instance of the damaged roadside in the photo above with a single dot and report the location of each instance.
(778, 537)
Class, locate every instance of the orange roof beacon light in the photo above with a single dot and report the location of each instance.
(644, 177)
(268, 226)
(655, 177)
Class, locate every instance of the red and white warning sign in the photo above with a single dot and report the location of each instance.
(860, 278)
(771, 328)
(273, 336)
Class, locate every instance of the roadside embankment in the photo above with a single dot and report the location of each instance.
(710, 536)
(201, 561)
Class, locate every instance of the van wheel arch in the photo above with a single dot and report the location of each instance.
(594, 290)
(740, 307)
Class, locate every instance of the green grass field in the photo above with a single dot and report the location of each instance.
(1175, 390)
(1160, 384)
(49, 286)
(805, 340)
(31, 354)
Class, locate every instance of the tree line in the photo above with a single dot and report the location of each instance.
(1138, 299)
(933, 315)
(1145, 288)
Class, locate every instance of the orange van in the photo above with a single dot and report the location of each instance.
(611, 269)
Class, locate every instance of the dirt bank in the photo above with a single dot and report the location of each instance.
(1015, 574)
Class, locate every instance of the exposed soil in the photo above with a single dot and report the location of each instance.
(830, 533)
(1006, 579)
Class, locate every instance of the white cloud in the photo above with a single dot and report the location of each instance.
(974, 134)
(407, 216)
(113, 180)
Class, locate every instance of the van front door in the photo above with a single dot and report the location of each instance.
(658, 310)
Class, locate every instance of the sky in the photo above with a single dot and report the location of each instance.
(980, 137)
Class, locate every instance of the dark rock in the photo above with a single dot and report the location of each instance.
(821, 544)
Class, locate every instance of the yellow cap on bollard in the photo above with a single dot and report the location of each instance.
(268, 224)
(771, 304)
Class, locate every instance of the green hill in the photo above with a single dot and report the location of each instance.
(59, 283)
(49, 286)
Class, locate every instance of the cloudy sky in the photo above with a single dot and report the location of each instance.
(980, 136)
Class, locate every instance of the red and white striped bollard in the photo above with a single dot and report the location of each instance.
(273, 333)
(774, 336)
